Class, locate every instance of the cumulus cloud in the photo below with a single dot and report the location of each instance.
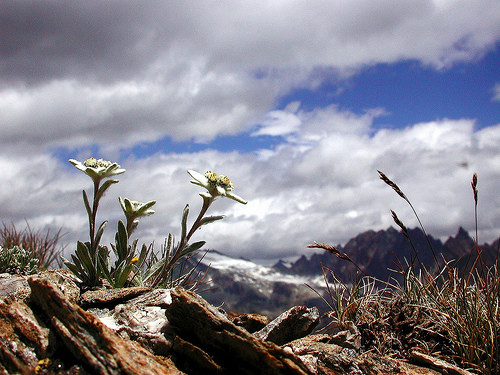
(88, 72)
(329, 191)
(109, 75)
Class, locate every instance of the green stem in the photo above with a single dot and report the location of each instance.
(196, 224)
(184, 242)
(95, 205)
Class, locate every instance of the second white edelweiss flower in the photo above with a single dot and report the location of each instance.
(135, 209)
(215, 184)
(97, 169)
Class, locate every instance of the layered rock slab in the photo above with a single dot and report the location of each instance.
(99, 348)
(234, 349)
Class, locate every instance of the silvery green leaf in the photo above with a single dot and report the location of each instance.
(105, 187)
(87, 205)
(121, 239)
(193, 247)
(184, 222)
(83, 254)
(210, 219)
(104, 267)
(100, 232)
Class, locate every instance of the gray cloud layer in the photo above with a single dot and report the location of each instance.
(117, 73)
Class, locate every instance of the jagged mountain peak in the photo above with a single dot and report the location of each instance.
(376, 251)
(243, 285)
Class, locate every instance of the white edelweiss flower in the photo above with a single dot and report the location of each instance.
(215, 184)
(97, 169)
(135, 209)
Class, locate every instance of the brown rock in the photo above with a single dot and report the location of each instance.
(231, 347)
(294, 323)
(350, 338)
(251, 322)
(141, 319)
(14, 286)
(21, 338)
(110, 297)
(438, 364)
(323, 357)
(193, 359)
(66, 281)
(97, 347)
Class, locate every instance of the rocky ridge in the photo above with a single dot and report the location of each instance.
(48, 326)
(240, 285)
(377, 252)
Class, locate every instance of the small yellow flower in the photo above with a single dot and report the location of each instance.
(225, 181)
(211, 176)
(90, 162)
(43, 364)
(134, 260)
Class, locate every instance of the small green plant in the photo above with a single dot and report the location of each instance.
(86, 260)
(161, 273)
(121, 274)
(42, 245)
(17, 260)
(91, 262)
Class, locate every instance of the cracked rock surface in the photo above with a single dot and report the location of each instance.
(48, 327)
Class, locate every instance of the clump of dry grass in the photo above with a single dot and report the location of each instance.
(465, 304)
(449, 312)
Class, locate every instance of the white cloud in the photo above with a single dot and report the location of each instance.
(128, 72)
(113, 74)
(327, 192)
(279, 123)
(496, 92)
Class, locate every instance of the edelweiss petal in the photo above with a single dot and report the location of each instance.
(235, 197)
(217, 185)
(199, 179)
(97, 169)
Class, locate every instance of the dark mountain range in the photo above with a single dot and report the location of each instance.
(241, 285)
(377, 253)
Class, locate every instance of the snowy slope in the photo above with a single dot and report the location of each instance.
(244, 286)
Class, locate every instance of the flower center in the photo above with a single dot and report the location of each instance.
(219, 180)
(96, 163)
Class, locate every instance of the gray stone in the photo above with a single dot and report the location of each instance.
(293, 324)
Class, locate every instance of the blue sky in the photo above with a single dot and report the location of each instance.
(407, 91)
(412, 93)
(299, 103)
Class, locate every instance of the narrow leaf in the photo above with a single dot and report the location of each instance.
(184, 222)
(100, 232)
(123, 275)
(87, 205)
(122, 241)
(104, 266)
(210, 219)
(105, 187)
(193, 247)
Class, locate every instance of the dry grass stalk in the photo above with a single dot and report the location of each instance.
(395, 187)
(332, 250)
